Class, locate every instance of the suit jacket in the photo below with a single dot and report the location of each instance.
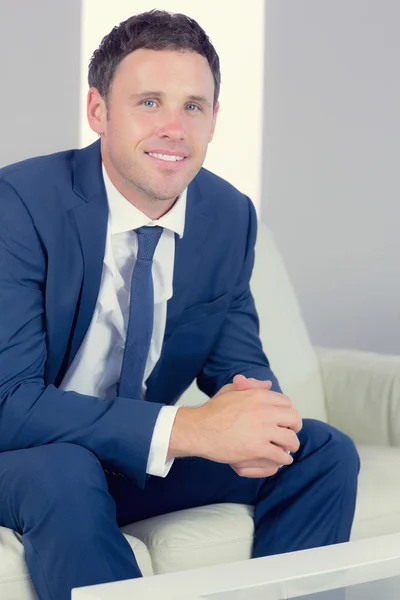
(53, 222)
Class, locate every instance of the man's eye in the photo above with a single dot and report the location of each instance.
(193, 107)
(148, 103)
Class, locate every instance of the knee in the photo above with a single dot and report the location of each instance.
(337, 447)
(61, 471)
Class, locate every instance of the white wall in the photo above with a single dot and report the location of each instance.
(332, 163)
(39, 84)
(235, 152)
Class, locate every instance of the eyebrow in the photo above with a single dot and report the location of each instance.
(200, 99)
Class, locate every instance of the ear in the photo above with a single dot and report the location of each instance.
(216, 110)
(96, 111)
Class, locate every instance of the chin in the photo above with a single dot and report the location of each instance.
(165, 193)
(166, 196)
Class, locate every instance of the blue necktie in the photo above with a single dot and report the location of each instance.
(141, 315)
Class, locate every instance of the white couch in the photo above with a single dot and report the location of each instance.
(357, 392)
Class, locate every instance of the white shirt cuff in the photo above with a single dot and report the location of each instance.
(157, 463)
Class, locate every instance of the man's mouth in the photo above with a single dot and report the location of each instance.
(166, 157)
(168, 162)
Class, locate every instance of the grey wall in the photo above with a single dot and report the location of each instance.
(39, 81)
(331, 187)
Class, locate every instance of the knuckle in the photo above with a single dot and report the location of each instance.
(294, 442)
(287, 400)
(297, 420)
(297, 425)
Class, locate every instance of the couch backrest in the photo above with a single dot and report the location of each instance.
(282, 331)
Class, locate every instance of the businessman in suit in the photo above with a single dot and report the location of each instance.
(125, 273)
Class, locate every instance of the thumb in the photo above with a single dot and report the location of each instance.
(240, 383)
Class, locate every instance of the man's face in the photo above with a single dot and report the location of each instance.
(158, 123)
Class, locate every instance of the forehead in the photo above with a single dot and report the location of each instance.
(167, 70)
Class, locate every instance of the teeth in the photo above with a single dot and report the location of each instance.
(166, 156)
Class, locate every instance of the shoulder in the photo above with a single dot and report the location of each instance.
(40, 185)
(224, 201)
(218, 187)
(34, 193)
(38, 170)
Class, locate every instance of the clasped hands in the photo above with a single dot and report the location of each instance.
(281, 421)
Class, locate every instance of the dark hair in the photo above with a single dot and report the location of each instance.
(155, 30)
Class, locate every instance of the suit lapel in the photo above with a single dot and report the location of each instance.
(188, 252)
(91, 217)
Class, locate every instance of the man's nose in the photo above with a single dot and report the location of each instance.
(172, 125)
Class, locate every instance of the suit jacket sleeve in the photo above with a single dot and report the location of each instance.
(238, 349)
(32, 413)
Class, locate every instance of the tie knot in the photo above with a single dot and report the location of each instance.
(148, 238)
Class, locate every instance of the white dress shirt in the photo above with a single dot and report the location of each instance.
(97, 365)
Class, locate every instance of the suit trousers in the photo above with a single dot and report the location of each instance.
(68, 510)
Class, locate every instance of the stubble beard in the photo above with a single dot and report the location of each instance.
(157, 189)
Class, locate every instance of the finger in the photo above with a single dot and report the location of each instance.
(289, 418)
(279, 400)
(259, 463)
(241, 383)
(258, 384)
(257, 472)
(276, 459)
(276, 454)
(286, 439)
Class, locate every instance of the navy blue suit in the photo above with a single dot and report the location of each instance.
(53, 221)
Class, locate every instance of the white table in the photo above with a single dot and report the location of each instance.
(363, 565)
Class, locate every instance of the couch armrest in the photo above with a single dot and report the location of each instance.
(362, 393)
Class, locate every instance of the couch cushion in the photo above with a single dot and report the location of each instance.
(15, 581)
(197, 537)
(378, 501)
(283, 333)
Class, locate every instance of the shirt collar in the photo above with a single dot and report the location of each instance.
(123, 216)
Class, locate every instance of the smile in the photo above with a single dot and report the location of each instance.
(169, 157)
(167, 161)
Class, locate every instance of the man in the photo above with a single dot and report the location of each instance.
(125, 273)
